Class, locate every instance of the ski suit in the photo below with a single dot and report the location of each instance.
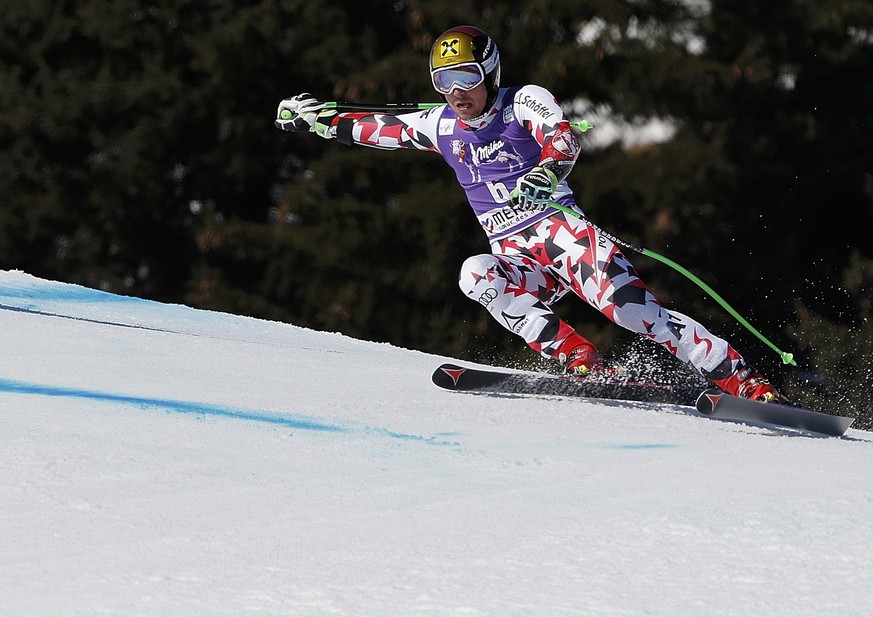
(537, 255)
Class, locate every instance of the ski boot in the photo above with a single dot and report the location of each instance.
(749, 383)
(579, 358)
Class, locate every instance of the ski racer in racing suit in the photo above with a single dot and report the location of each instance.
(512, 150)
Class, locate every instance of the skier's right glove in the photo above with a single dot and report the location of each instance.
(533, 191)
(299, 113)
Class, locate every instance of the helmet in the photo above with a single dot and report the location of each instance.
(463, 57)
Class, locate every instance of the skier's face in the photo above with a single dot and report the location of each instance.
(468, 104)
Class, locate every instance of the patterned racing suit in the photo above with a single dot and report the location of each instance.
(536, 255)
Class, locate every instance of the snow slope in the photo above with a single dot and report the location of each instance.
(160, 460)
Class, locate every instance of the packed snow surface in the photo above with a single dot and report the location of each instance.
(161, 460)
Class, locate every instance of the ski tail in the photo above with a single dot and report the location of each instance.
(505, 381)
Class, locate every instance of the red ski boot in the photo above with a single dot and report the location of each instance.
(749, 383)
(579, 357)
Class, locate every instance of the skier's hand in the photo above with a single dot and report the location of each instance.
(533, 191)
(299, 113)
(323, 121)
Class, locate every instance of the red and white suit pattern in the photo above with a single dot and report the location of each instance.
(537, 255)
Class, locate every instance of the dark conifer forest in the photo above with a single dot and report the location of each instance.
(138, 155)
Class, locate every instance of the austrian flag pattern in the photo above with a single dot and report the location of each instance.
(383, 131)
(538, 254)
(532, 269)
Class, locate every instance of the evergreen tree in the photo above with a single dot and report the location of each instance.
(120, 120)
(137, 154)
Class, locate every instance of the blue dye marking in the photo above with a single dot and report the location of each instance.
(204, 409)
(71, 293)
(75, 293)
(183, 407)
(434, 441)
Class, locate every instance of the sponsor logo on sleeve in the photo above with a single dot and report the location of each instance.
(447, 126)
(535, 105)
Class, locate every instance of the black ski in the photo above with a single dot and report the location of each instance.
(716, 404)
(712, 402)
(496, 381)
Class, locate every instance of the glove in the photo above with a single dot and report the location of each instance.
(323, 122)
(533, 191)
(298, 113)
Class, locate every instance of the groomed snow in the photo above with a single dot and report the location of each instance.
(160, 460)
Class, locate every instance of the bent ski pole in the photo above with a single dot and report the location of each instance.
(582, 125)
(787, 357)
(341, 106)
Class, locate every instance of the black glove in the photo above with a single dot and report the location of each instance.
(534, 189)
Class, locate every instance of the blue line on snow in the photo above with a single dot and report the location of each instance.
(188, 407)
(184, 407)
(64, 292)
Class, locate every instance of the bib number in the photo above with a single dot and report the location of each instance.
(498, 191)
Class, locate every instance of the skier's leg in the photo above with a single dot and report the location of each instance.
(517, 292)
(597, 271)
(632, 306)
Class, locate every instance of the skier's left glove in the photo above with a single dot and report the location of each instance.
(533, 191)
(299, 113)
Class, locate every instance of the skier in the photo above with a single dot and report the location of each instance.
(512, 150)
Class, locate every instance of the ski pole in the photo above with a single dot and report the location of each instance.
(581, 125)
(787, 358)
(341, 106)
(377, 107)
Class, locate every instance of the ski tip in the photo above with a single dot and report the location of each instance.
(447, 376)
(708, 400)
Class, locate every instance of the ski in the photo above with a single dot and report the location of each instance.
(712, 403)
(497, 381)
(716, 404)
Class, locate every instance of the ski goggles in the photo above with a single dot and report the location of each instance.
(462, 76)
